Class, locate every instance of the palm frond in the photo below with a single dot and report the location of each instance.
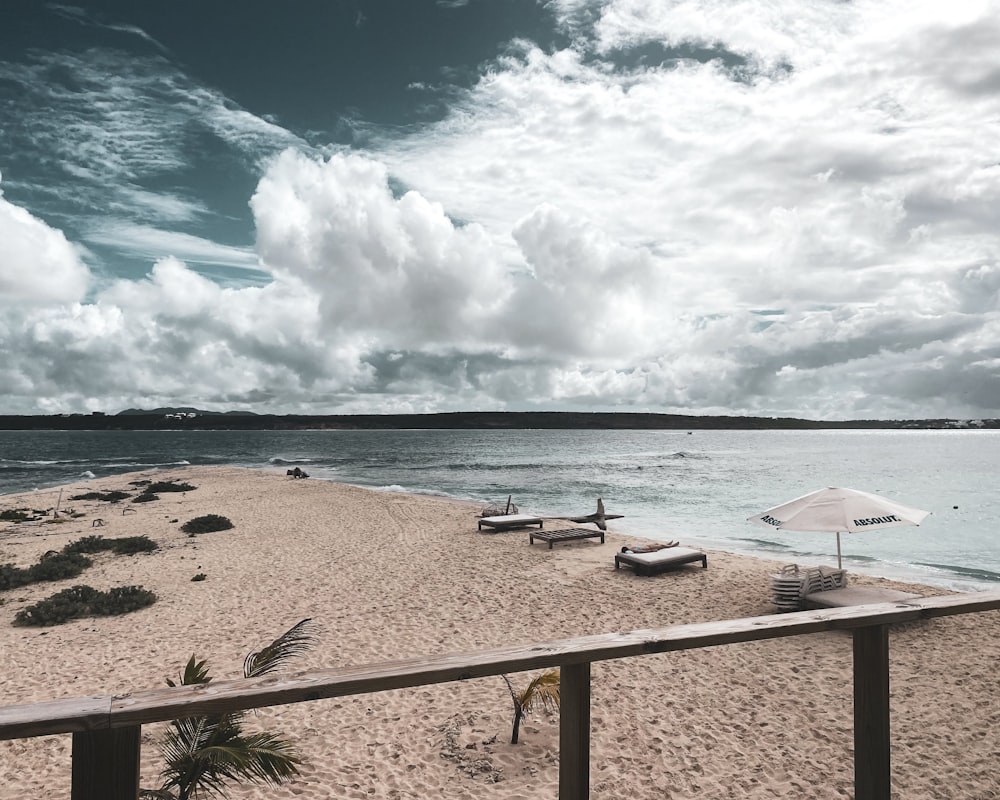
(204, 753)
(295, 641)
(194, 672)
(543, 689)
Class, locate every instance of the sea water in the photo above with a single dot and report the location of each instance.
(695, 486)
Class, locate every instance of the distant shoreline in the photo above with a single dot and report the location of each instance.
(191, 419)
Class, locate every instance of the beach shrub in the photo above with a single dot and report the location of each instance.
(206, 524)
(145, 498)
(109, 497)
(127, 545)
(130, 545)
(60, 607)
(88, 544)
(199, 577)
(55, 566)
(168, 486)
(121, 600)
(12, 577)
(203, 754)
(84, 601)
(139, 483)
(13, 515)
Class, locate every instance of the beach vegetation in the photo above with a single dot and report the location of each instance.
(168, 486)
(206, 524)
(145, 498)
(71, 561)
(13, 515)
(542, 690)
(203, 754)
(199, 577)
(126, 545)
(84, 601)
(53, 566)
(56, 566)
(108, 497)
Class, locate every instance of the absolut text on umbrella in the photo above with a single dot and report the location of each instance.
(877, 520)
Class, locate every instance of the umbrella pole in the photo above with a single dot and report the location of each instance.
(838, 551)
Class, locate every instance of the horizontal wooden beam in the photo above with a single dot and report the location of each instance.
(157, 705)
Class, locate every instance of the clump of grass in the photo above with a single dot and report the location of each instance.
(206, 524)
(13, 515)
(84, 601)
(199, 577)
(145, 498)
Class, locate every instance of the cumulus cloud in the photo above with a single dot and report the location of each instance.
(394, 270)
(37, 263)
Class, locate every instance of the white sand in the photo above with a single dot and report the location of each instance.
(391, 576)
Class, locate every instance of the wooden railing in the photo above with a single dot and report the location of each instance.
(106, 729)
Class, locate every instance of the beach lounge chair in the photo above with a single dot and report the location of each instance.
(661, 560)
(567, 535)
(506, 522)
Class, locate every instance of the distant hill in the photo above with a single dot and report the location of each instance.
(162, 412)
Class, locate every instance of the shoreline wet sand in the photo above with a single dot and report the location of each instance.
(389, 576)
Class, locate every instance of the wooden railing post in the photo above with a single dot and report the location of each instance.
(872, 772)
(106, 764)
(574, 731)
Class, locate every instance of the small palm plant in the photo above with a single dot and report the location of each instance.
(203, 754)
(543, 689)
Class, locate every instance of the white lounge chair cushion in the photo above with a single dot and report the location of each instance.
(666, 554)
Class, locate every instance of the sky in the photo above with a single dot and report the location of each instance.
(745, 207)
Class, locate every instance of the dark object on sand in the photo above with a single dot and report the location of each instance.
(206, 524)
(297, 473)
(599, 519)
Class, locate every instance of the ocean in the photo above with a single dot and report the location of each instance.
(695, 486)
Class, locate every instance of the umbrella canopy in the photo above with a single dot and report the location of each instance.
(835, 510)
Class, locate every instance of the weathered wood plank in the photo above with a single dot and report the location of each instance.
(219, 697)
(872, 768)
(55, 716)
(106, 765)
(574, 732)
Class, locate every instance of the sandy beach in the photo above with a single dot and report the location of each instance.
(390, 576)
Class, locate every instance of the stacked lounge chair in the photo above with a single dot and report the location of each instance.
(791, 586)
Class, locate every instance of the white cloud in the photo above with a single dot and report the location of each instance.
(395, 271)
(37, 264)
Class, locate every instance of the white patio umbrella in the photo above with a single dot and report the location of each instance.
(835, 510)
